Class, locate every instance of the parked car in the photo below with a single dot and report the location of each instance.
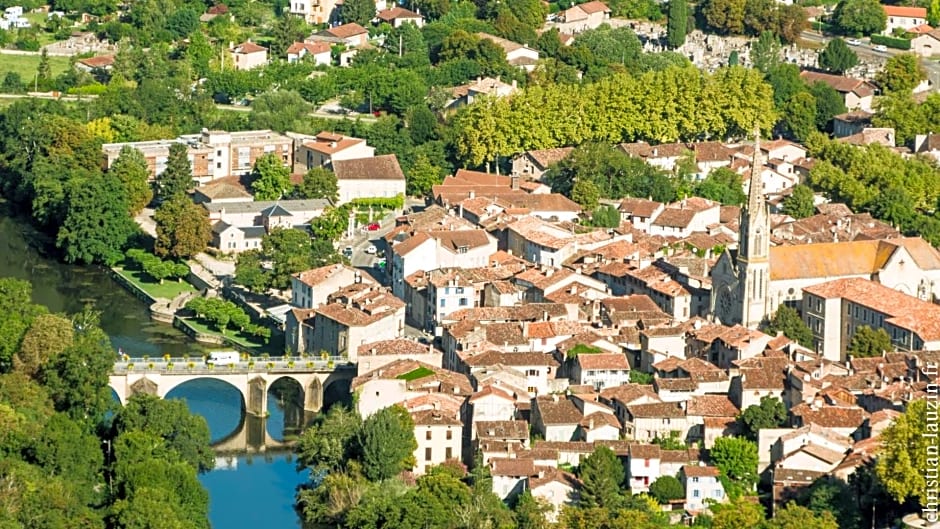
(854, 42)
(373, 227)
(881, 48)
(348, 251)
(371, 249)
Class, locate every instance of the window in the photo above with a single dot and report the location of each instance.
(448, 453)
(531, 372)
(427, 454)
(218, 165)
(460, 290)
(443, 303)
(463, 302)
(427, 435)
(450, 435)
(694, 480)
(695, 493)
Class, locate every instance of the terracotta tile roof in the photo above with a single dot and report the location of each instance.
(384, 167)
(594, 6)
(492, 358)
(689, 455)
(514, 468)
(639, 207)
(313, 48)
(100, 61)
(491, 390)
(907, 312)
(839, 83)
(767, 378)
(645, 451)
(830, 416)
(698, 471)
(525, 312)
(549, 475)
(557, 410)
(248, 47)
(502, 430)
(711, 406)
(675, 384)
(440, 380)
(675, 218)
(656, 410)
(434, 418)
(389, 15)
(822, 453)
(646, 151)
(599, 419)
(315, 276)
(347, 30)
(906, 12)
(223, 190)
(400, 346)
(329, 143)
(629, 393)
(546, 157)
(603, 361)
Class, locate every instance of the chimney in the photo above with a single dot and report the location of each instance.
(544, 315)
(591, 424)
(514, 182)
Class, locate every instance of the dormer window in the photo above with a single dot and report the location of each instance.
(463, 249)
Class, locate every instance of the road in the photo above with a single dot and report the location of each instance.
(865, 50)
(366, 118)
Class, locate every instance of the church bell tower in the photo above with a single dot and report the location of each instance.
(754, 248)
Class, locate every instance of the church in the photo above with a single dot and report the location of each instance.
(750, 282)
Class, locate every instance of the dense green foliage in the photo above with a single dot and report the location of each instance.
(155, 267)
(838, 57)
(860, 17)
(770, 413)
(183, 228)
(867, 342)
(290, 251)
(63, 464)
(788, 321)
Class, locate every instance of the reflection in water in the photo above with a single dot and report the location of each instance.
(254, 488)
(68, 288)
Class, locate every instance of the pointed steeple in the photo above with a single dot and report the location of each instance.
(755, 196)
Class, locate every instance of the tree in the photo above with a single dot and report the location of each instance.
(130, 168)
(794, 516)
(422, 124)
(765, 52)
(387, 443)
(423, 176)
(530, 512)
(319, 183)
(770, 413)
(17, 313)
(48, 336)
(97, 225)
(44, 70)
(601, 474)
(183, 228)
(740, 513)
(270, 178)
(279, 110)
(606, 217)
(830, 494)
(667, 488)
(736, 458)
(800, 203)
(726, 16)
(902, 463)
(800, 112)
(838, 57)
(585, 193)
(185, 434)
(677, 23)
(177, 178)
(868, 342)
(829, 104)
(722, 185)
(901, 73)
(286, 30)
(860, 17)
(933, 13)
(787, 321)
(359, 11)
(329, 444)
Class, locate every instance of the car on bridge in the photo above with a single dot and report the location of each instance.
(223, 358)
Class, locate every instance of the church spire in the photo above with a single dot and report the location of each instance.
(755, 198)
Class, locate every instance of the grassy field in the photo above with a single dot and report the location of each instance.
(168, 290)
(26, 65)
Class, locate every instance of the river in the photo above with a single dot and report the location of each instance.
(244, 490)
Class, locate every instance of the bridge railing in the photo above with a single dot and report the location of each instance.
(274, 364)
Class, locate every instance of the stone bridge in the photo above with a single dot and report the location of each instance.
(251, 377)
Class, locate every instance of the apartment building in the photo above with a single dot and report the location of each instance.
(212, 154)
(836, 309)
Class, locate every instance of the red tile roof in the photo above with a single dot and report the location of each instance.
(906, 12)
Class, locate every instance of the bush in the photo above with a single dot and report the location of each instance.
(891, 42)
(396, 202)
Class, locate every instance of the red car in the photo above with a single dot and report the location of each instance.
(373, 227)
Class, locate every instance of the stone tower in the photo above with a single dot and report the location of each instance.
(754, 248)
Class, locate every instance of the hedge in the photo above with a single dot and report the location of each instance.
(396, 202)
(891, 42)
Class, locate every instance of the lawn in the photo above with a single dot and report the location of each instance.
(168, 290)
(415, 374)
(26, 66)
(249, 342)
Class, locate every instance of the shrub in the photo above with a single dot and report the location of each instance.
(891, 42)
